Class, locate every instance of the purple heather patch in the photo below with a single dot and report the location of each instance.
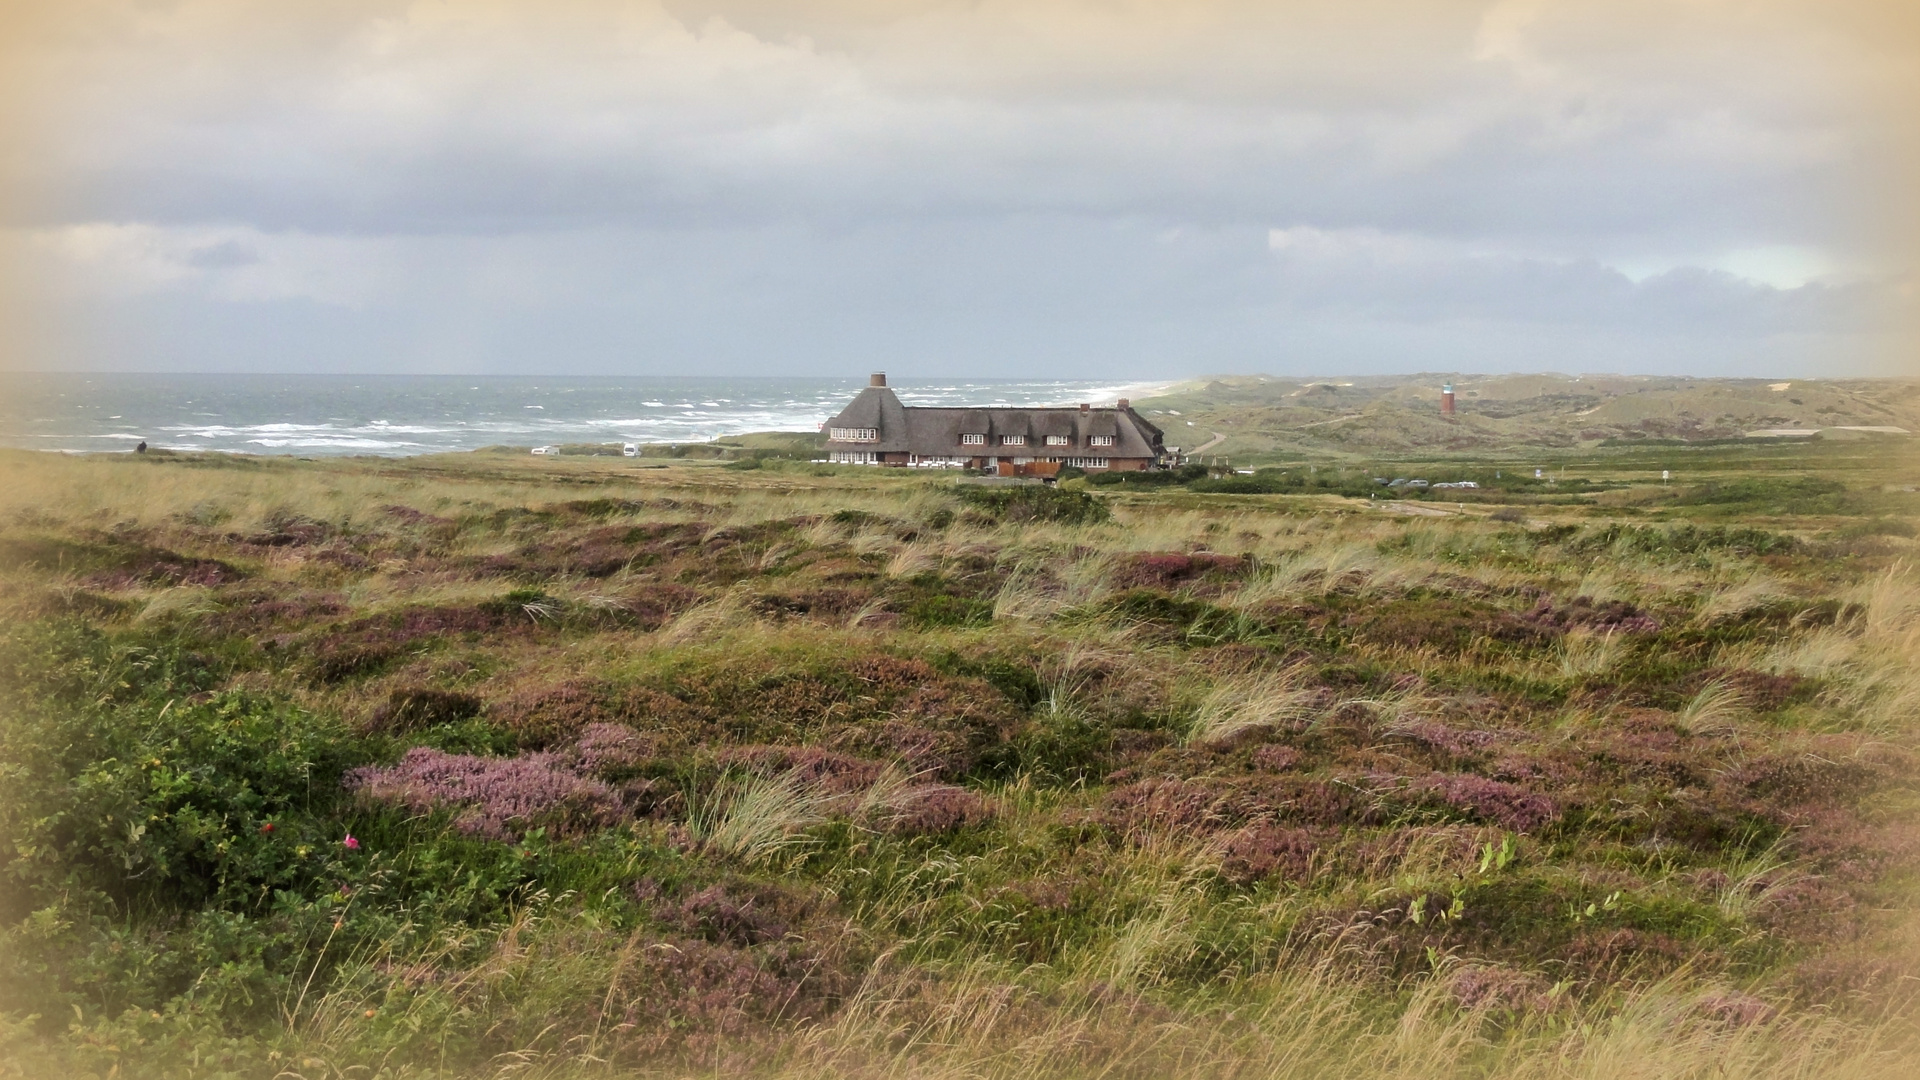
(496, 795)
(1493, 800)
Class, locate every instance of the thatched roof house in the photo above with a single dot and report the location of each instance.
(875, 429)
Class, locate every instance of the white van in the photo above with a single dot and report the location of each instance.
(544, 450)
(629, 450)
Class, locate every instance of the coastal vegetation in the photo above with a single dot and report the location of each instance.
(483, 764)
(1255, 418)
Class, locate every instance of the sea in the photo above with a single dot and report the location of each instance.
(333, 415)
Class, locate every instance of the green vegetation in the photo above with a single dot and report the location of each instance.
(489, 763)
(1265, 419)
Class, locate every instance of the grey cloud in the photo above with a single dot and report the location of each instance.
(222, 256)
(1416, 281)
(618, 115)
(1043, 292)
(984, 186)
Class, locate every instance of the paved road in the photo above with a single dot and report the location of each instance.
(1218, 438)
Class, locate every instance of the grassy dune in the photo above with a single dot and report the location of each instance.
(1265, 418)
(795, 771)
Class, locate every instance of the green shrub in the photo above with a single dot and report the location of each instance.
(1290, 482)
(1196, 622)
(1150, 478)
(945, 609)
(1035, 502)
(152, 802)
(1685, 540)
(1785, 494)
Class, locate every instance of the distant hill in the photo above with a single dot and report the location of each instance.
(1264, 414)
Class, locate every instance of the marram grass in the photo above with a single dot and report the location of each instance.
(793, 772)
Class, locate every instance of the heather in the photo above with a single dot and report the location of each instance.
(469, 765)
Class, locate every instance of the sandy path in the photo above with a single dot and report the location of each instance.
(1397, 507)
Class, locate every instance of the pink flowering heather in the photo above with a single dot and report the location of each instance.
(1261, 851)
(1615, 616)
(1459, 742)
(1733, 1008)
(1159, 803)
(725, 917)
(1492, 800)
(811, 766)
(1489, 986)
(1171, 569)
(495, 795)
(937, 808)
(1276, 758)
(611, 750)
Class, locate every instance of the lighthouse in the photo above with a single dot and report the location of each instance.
(1446, 399)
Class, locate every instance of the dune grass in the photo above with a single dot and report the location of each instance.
(815, 772)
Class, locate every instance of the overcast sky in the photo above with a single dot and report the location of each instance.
(1068, 188)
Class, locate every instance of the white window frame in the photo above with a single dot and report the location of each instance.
(1100, 440)
(1086, 462)
(973, 440)
(853, 434)
(853, 457)
(1013, 440)
(1059, 440)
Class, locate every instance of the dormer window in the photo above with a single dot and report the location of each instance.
(1100, 440)
(854, 434)
(1013, 440)
(973, 440)
(1058, 440)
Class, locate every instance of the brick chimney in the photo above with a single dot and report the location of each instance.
(1123, 403)
(878, 378)
(1085, 407)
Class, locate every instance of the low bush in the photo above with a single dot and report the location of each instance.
(1191, 621)
(419, 708)
(1292, 482)
(945, 609)
(1684, 540)
(1151, 478)
(1036, 502)
(1774, 495)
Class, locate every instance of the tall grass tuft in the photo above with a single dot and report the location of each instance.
(703, 619)
(1714, 707)
(757, 818)
(1736, 600)
(1235, 707)
(1585, 653)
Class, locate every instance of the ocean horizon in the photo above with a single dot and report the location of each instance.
(404, 415)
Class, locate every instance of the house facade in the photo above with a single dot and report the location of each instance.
(876, 429)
